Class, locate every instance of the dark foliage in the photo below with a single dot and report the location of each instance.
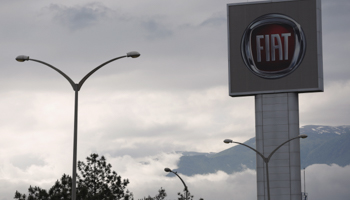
(160, 196)
(96, 182)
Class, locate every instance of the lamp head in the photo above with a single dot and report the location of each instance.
(227, 141)
(22, 58)
(167, 170)
(133, 54)
(303, 136)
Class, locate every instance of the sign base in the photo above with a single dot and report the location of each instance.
(277, 120)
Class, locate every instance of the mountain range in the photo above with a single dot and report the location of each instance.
(324, 145)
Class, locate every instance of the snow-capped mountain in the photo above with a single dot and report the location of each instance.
(325, 129)
(324, 145)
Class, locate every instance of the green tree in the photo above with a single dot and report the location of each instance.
(35, 193)
(182, 196)
(61, 189)
(96, 181)
(160, 196)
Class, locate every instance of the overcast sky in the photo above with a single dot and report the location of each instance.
(174, 97)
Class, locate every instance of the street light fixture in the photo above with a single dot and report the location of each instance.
(266, 159)
(76, 87)
(186, 189)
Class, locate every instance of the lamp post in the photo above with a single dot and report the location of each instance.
(76, 87)
(186, 189)
(266, 159)
(304, 193)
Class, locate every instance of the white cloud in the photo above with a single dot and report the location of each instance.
(146, 179)
(333, 102)
(146, 176)
(327, 182)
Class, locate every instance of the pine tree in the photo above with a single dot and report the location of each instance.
(160, 196)
(96, 181)
(189, 196)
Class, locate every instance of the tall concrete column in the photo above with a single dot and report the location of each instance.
(277, 120)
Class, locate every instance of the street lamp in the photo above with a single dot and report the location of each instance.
(266, 159)
(76, 87)
(186, 190)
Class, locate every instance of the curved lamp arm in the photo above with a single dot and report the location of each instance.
(169, 170)
(299, 136)
(132, 54)
(260, 154)
(94, 70)
(181, 181)
(25, 58)
(230, 141)
(76, 87)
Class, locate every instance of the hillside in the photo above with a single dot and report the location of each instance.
(324, 145)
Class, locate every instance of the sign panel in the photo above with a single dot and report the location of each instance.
(275, 47)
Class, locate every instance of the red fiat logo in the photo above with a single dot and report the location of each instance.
(273, 46)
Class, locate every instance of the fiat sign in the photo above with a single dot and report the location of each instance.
(273, 48)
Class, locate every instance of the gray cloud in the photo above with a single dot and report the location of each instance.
(336, 29)
(26, 160)
(78, 17)
(156, 30)
(151, 148)
(217, 19)
(333, 14)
